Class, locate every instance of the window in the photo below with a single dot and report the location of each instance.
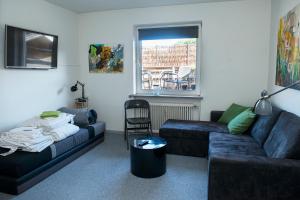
(167, 59)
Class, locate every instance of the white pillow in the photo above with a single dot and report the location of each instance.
(62, 132)
(51, 122)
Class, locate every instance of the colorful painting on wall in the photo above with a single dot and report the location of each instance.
(104, 58)
(288, 52)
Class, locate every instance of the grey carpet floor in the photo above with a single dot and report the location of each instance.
(104, 173)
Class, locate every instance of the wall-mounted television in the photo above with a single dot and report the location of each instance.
(26, 49)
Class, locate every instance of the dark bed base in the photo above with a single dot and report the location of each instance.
(18, 185)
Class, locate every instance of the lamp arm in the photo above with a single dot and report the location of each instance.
(83, 95)
(287, 87)
(253, 109)
(266, 96)
(82, 85)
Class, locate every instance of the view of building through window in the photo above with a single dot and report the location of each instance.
(169, 64)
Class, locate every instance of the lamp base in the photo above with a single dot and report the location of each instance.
(81, 102)
(82, 99)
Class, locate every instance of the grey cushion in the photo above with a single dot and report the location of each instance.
(284, 139)
(83, 117)
(233, 145)
(70, 142)
(263, 126)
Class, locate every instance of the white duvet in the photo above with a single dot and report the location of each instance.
(50, 123)
(62, 132)
(29, 139)
(36, 134)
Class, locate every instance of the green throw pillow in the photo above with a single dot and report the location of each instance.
(242, 122)
(231, 113)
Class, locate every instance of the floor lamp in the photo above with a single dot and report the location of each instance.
(263, 105)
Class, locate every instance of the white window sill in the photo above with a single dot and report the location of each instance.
(166, 96)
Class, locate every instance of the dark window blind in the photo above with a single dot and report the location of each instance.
(168, 33)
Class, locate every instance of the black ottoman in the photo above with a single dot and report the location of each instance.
(189, 138)
(148, 157)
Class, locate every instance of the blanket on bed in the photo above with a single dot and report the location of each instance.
(29, 139)
(37, 134)
(62, 132)
(50, 123)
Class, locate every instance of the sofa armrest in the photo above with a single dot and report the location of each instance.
(215, 115)
(253, 177)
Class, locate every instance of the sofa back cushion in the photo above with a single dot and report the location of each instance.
(284, 139)
(263, 125)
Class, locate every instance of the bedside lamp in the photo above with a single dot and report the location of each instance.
(74, 88)
(263, 105)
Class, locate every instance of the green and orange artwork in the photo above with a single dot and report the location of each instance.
(288, 52)
(104, 58)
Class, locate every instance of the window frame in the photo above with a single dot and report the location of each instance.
(137, 48)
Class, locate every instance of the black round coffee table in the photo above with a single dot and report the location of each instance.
(148, 157)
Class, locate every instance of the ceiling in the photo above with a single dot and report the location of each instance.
(84, 6)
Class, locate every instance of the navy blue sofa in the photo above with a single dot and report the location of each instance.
(262, 164)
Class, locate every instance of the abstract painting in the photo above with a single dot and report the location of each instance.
(105, 58)
(288, 52)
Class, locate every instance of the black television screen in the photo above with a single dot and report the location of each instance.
(27, 49)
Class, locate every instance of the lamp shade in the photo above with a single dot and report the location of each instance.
(263, 107)
(74, 88)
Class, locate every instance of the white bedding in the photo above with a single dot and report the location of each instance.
(36, 134)
(62, 132)
(50, 123)
(29, 139)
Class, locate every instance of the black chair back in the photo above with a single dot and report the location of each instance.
(139, 108)
(137, 116)
(136, 103)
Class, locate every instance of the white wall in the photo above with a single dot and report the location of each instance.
(235, 52)
(25, 93)
(289, 99)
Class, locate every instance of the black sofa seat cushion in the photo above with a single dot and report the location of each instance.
(189, 138)
(263, 126)
(244, 177)
(191, 129)
(227, 144)
(284, 139)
